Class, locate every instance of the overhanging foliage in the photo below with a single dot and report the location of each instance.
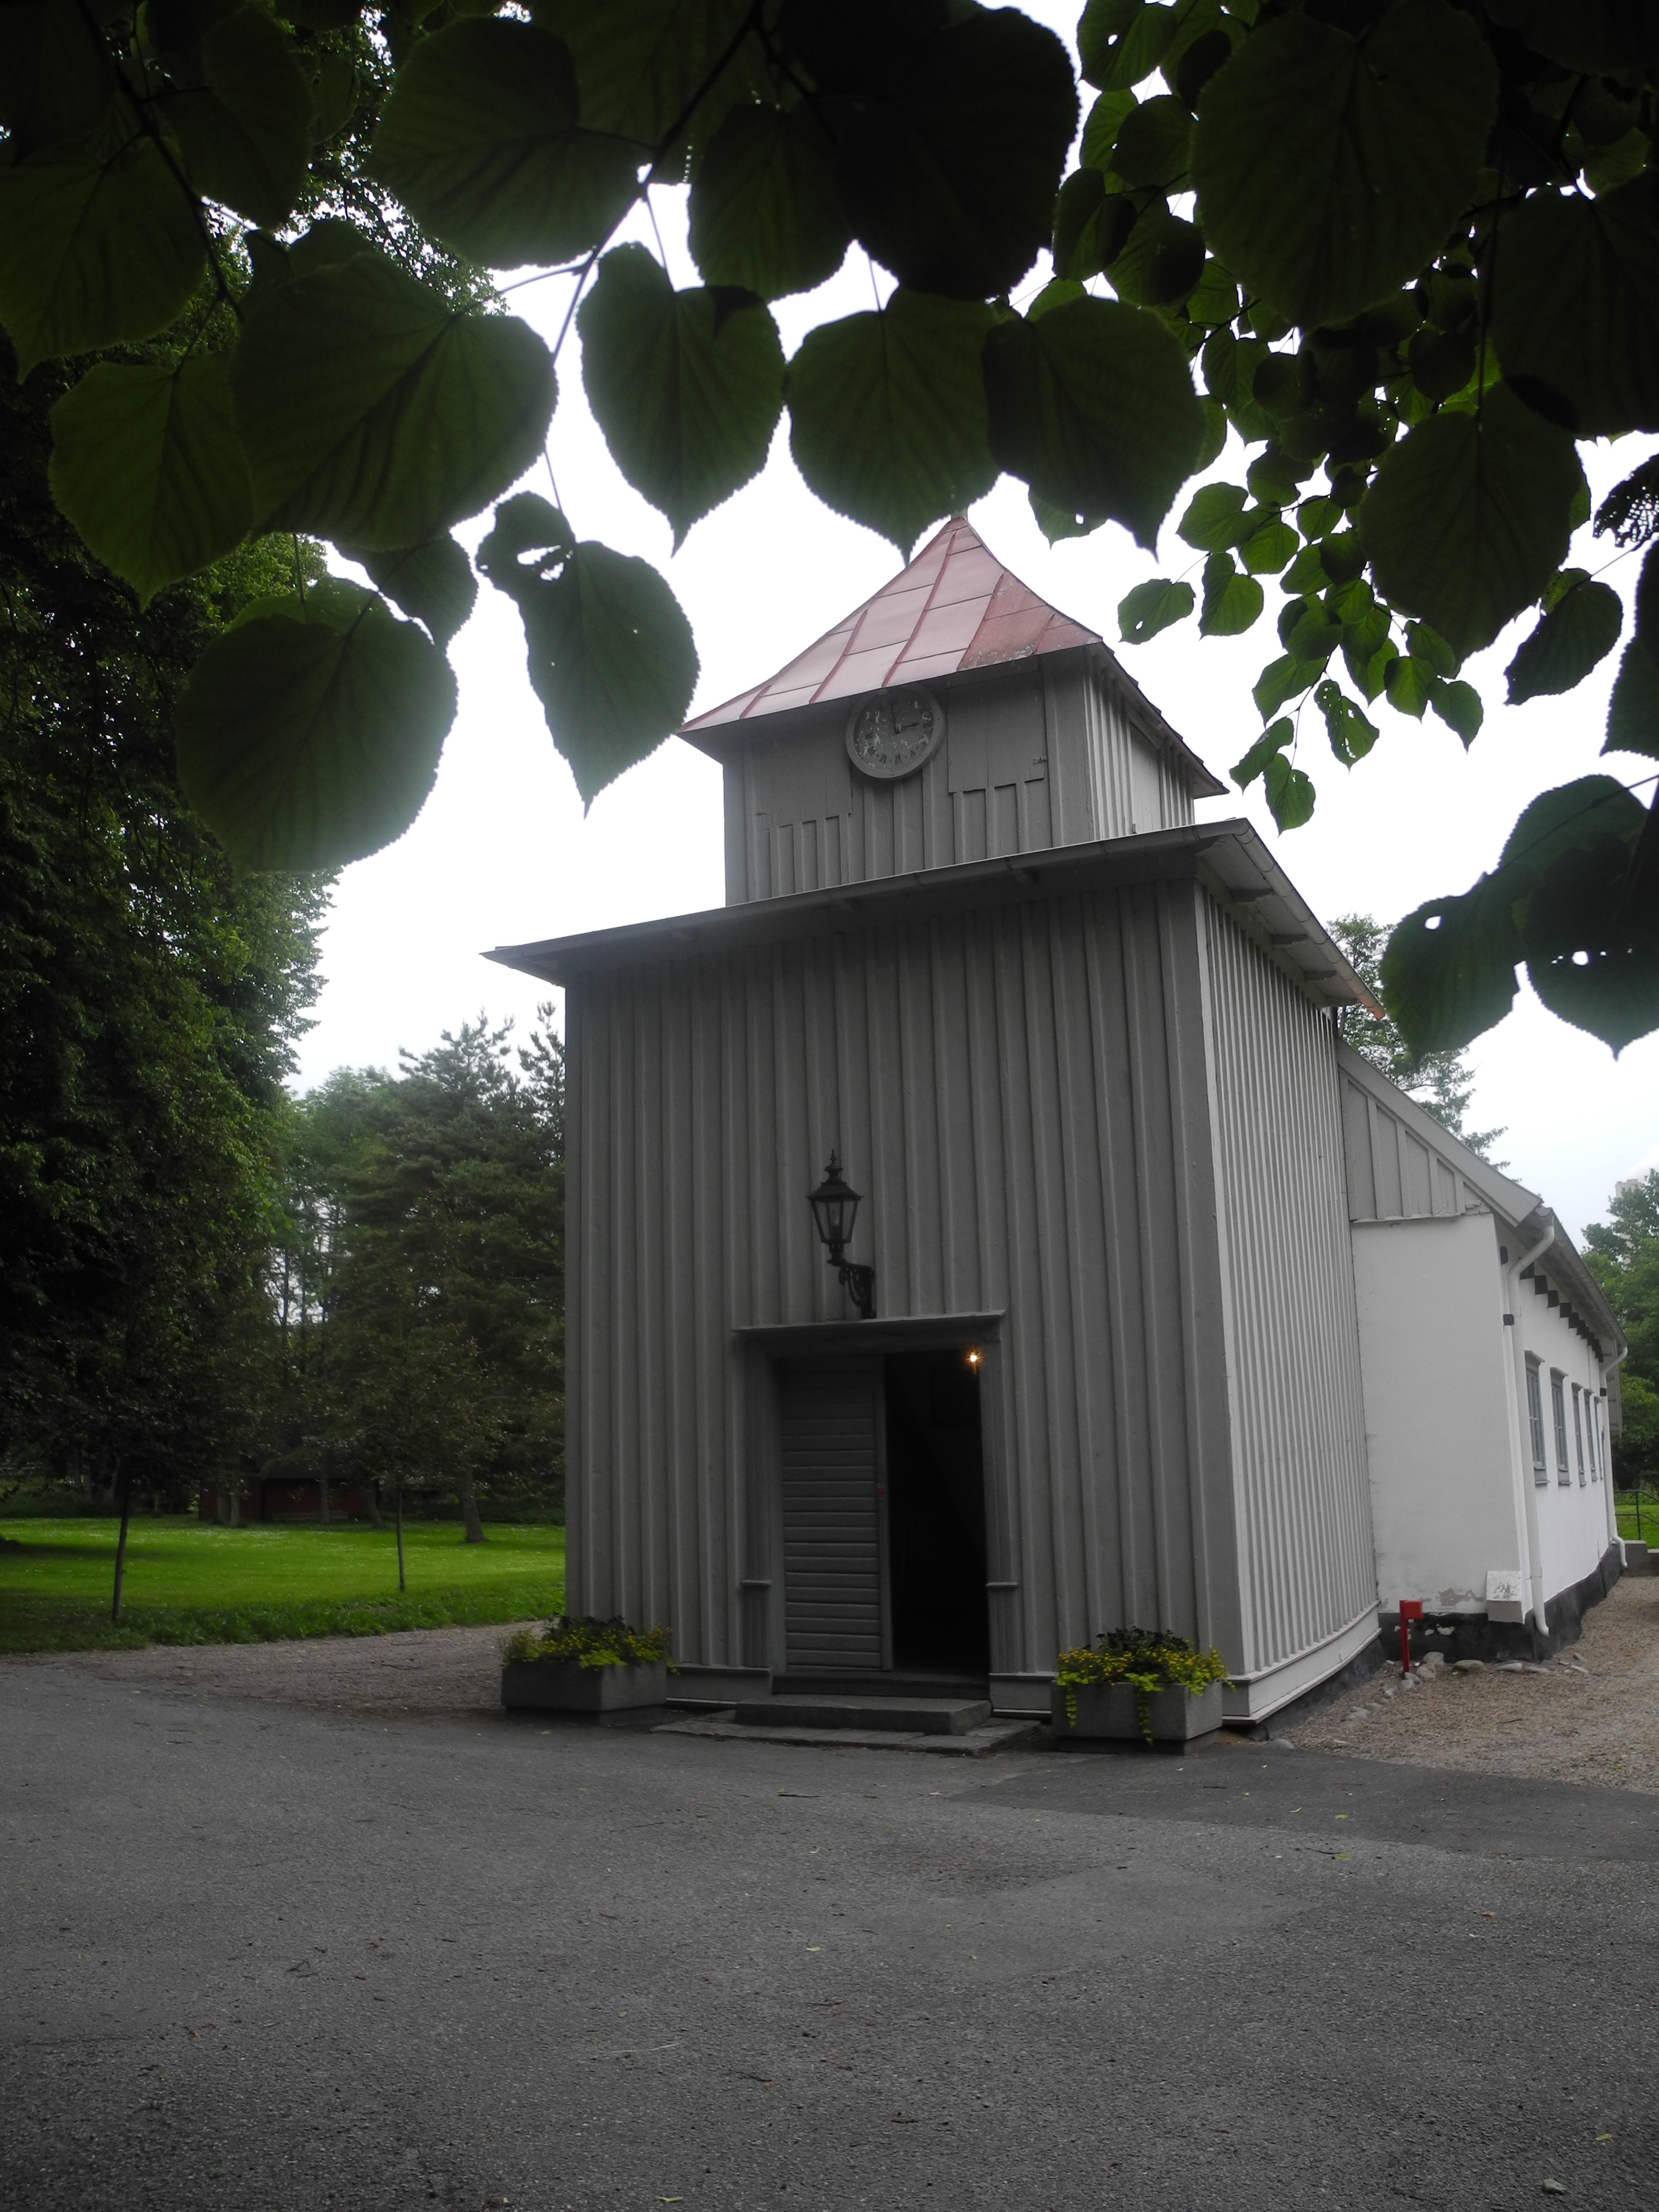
(1410, 395)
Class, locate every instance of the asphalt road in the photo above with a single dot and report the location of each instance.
(267, 1957)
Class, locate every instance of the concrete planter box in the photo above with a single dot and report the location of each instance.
(551, 1686)
(1106, 1712)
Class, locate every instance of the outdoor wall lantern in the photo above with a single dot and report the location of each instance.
(835, 1207)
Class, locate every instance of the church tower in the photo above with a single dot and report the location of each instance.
(954, 716)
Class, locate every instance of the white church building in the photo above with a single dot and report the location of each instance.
(1159, 1306)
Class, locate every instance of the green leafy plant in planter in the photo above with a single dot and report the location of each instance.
(1141, 1659)
(586, 1641)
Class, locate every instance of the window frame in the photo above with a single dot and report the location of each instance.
(1541, 1468)
(1578, 1435)
(1559, 1420)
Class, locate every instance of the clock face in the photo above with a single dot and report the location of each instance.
(892, 733)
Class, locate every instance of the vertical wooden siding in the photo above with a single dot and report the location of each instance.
(1305, 1556)
(1022, 1097)
(1133, 785)
(1037, 754)
(1392, 1175)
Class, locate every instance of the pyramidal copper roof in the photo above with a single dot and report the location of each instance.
(954, 606)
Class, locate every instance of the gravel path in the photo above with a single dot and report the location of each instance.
(415, 1671)
(1591, 1714)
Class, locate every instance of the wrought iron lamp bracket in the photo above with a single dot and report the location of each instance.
(859, 1285)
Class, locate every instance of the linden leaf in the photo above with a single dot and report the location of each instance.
(246, 129)
(1633, 709)
(949, 166)
(434, 582)
(1576, 307)
(1470, 516)
(1449, 967)
(373, 411)
(1231, 602)
(147, 465)
(611, 653)
(687, 386)
(765, 214)
(1214, 518)
(1152, 607)
(1459, 707)
(93, 250)
(1094, 407)
(1290, 794)
(887, 413)
(1351, 733)
(480, 137)
(309, 734)
(1274, 740)
(1581, 628)
(1331, 168)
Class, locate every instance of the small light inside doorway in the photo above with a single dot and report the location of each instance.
(973, 1359)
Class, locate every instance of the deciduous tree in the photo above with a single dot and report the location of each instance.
(1624, 1250)
(1624, 1253)
(150, 1002)
(427, 1264)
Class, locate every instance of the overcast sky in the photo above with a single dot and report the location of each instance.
(502, 851)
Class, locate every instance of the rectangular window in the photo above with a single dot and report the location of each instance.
(1558, 1407)
(1535, 1415)
(1589, 1437)
(1579, 1434)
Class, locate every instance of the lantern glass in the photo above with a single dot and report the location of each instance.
(835, 1207)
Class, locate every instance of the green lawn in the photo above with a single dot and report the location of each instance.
(188, 1582)
(1624, 1509)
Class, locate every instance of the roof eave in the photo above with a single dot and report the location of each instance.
(1563, 1262)
(1512, 1200)
(1229, 858)
(723, 741)
(1202, 783)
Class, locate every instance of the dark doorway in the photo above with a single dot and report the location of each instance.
(936, 1514)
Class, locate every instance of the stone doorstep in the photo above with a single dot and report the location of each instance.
(899, 1715)
(977, 1742)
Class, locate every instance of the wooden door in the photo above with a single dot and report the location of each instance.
(831, 1435)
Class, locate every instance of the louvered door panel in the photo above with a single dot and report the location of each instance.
(831, 1528)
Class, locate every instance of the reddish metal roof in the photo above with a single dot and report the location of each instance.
(954, 606)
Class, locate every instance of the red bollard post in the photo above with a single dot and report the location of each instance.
(1411, 1609)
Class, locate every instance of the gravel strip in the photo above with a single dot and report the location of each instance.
(416, 1670)
(1591, 1714)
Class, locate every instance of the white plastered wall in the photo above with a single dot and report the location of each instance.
(1437, 1376)
(1572, 1516)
